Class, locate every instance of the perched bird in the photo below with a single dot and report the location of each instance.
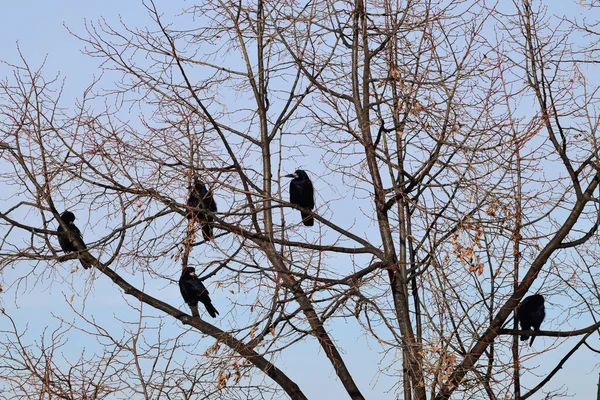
(65, 242)
(193, 290)
(530, 314)
(302, 195)
(202, 205)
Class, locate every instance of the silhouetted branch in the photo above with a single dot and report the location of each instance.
(575, 332)
(556, 369)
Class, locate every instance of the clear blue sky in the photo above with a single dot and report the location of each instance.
(37, 27)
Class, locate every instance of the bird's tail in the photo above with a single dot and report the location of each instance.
(532, 339)
(207, 231)
(307, 219)
(211, 310)
(195, 312)
(84, 264)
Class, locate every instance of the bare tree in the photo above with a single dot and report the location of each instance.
(453, 149)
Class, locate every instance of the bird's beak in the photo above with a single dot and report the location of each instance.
(290, 176)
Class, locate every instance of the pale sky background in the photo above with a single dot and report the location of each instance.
(37, 27)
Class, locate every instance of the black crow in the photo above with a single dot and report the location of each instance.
(193, 290)
(65, 242)
(530, 314)
(202, 205)
(301, 194)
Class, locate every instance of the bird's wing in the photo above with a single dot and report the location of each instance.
(525, 303)
(75, 230)
(296, 193)
(182, 287)
(63, 241)
(193, 200)
(188, 291)
(208, 200)
(305, 194)
(211, 204)
(310, 195)
(204, 193)
(198, 287)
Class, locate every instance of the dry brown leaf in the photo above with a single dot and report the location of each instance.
(253, 332)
